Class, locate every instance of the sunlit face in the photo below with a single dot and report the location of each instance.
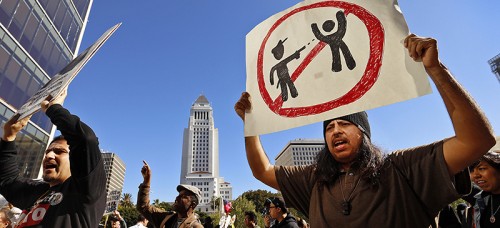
(343, 139)
(56, 163)
(182, 201)
(486, 177)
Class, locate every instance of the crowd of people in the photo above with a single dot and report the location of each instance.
(352, 183)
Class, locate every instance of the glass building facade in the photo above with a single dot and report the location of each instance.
(37, 39)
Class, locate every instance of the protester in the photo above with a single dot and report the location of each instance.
(353, 185)
(4, 218)
(485, 173)
(279, 212)
(73, 190)
(142, 222)
(226, 220)
(117, 220)
(183, 214)
(251, 219)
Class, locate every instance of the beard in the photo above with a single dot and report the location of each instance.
(48, 177)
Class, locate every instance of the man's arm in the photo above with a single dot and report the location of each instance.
(19, 191)
(123, 223)
(8, 154)
(85, 155)
(473, 133)
(86, 163)
(259, 163)
(153, 214)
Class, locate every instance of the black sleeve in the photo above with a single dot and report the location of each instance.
(21, 192)
(86, 162)
(8, 163)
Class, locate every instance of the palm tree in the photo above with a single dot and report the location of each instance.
(214, 202)
(127, 200)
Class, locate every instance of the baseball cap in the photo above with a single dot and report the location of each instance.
(191, 189)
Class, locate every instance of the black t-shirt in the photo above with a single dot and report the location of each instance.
(79, 201)
(486, 215)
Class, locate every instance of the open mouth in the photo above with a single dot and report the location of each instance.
(480, 182)
(339, 144)
(50, 166)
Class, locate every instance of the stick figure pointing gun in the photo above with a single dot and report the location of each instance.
(284, 79)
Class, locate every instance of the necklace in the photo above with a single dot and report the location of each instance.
(346, 205)
(492, 217)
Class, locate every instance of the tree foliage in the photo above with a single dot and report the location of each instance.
(126, 200)
(258, 197)
(129, 214)
(240, 205)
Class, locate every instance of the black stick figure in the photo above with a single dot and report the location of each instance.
(284, 79)
(335, 41)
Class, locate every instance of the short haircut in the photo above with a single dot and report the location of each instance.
(251, 215)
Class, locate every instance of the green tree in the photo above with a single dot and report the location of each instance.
(164, 205)
(129, 214)
(126, 200)
(215, 202)
(240, 205)
(258, 197)
(156, 202)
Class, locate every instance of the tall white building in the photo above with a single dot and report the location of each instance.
(115, 176)
(200, 155)
(300, 152)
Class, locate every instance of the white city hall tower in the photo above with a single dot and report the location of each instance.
(200, 156)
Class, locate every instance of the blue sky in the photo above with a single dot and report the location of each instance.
(136, 92)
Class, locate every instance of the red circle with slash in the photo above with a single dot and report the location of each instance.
(370, 75)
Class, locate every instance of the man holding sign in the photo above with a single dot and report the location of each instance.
(73, 193)
(353, 185)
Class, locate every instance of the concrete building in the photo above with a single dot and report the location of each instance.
(300, 152)
(225, 190)
(200, 155)
(37, 39)
(495, 66)
(115, 176)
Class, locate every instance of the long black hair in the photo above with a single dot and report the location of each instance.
(368, 163)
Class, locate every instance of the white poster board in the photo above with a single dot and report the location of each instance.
(62, 79)
(323, 59)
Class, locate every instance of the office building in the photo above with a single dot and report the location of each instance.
(115, 176)
(300, 152)
(37, 39)
(200, 155)
(225, 190)
(495, 66)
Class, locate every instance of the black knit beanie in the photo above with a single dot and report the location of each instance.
(360, 119)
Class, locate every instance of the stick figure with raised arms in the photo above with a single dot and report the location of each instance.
(335, 41)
